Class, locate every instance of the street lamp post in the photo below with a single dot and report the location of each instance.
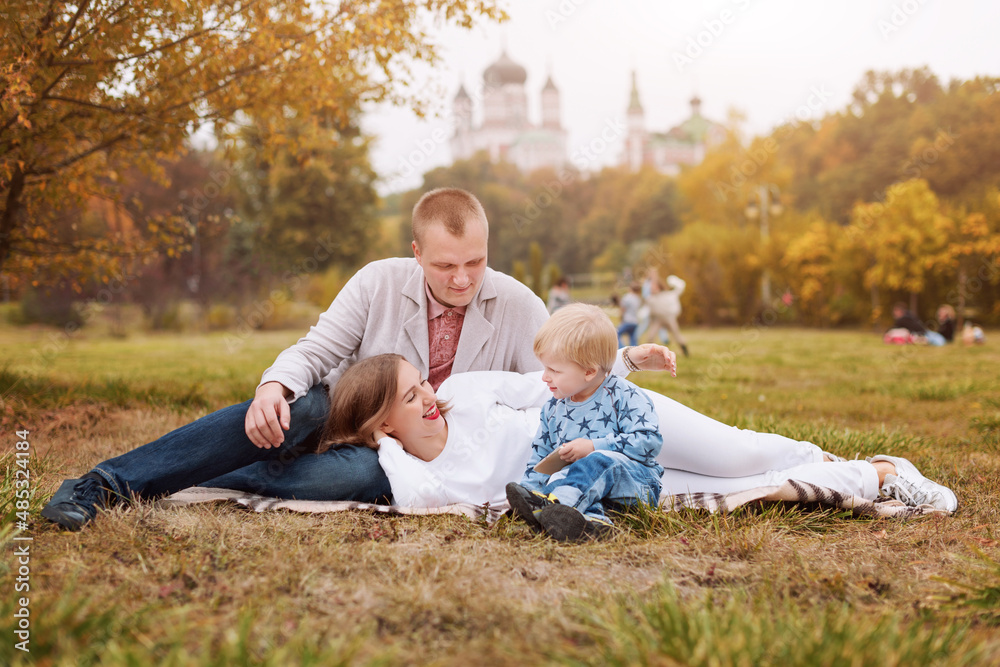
(767, 203)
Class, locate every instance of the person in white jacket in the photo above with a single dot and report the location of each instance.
(464, 443)
(665, 308)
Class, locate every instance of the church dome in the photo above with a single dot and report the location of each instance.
(505, 71)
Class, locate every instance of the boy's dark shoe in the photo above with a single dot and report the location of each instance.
(526, 504)
(76, 502)
(567, 524)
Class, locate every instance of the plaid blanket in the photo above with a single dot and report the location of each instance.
(790, 492)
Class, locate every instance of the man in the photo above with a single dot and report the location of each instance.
(444, 310)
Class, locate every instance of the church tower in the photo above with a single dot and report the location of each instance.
(461, 141)
(635, 140)
(550, 105)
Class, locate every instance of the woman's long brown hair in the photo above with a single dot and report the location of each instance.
(361, 401)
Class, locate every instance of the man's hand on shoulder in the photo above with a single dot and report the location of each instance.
(269, 415)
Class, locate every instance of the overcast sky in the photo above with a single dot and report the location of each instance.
(770, 59)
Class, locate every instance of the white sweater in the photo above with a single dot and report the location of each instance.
(490, 428)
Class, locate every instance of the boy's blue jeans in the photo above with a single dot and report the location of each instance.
(215, 451)
(604, 475)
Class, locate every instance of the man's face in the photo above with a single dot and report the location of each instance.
(454, 267)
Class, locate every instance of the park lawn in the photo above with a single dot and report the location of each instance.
(218, 585)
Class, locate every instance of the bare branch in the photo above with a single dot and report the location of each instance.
(72, 24)
(137, 56)
(92, 105)
(100, 22)
(76, 158)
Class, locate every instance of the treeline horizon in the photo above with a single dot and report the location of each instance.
(895, 197)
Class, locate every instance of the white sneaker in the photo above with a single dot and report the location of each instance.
(912, 488)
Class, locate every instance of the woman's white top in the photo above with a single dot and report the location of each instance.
(494, 416)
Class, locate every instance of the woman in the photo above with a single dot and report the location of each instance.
(466, 442)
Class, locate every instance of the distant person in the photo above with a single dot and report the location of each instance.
(972, 335)
(665, 308)
(443, 309)
(647, 290)
(902, 318)
(559, 295)
(629, 305)
(946, 322)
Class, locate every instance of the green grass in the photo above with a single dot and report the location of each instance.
(47, 368)
(776, 584)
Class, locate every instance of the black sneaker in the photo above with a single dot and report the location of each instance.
(76, 502)
(526, 504)
(568, 524)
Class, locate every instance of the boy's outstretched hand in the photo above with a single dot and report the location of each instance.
(653, 357)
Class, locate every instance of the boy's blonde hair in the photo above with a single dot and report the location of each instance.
(580, 333)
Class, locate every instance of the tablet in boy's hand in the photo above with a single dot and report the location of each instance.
(551, 463)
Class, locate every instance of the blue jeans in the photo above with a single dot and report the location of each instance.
(604, 475)
(215, 451)
(627, 329)
(934, 338)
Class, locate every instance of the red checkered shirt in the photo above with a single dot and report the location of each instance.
(444, 327)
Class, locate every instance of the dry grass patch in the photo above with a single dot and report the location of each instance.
(221, 585)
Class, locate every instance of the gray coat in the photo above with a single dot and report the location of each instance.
(383, 308)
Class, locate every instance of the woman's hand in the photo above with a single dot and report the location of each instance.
(653, 357)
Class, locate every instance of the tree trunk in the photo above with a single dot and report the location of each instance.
(960, 315)
(875, 323)
(9, 215)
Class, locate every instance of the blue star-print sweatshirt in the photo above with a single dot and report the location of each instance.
(618, 417)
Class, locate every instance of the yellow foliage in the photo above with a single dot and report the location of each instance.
(88, 91)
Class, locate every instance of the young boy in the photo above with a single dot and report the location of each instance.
(604, 428)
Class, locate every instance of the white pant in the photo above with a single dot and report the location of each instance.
(701, 454)
(858, 478)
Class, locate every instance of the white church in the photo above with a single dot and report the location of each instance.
(667, 152)
(506, 133)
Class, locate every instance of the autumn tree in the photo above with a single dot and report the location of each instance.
(308, 201)
(902, 235)
(93, 88)
(970, 260)
(196, 181)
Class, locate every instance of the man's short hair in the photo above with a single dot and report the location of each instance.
(580, 333)
(451, 207)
